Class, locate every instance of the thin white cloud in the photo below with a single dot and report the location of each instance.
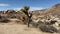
(35, 8)
(4, 4)
(17, 8)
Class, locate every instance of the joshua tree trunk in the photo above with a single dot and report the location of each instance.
(29, 19)
(28, 22)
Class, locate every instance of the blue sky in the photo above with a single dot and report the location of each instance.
(34, 4)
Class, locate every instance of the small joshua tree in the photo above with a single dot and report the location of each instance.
(29, 15)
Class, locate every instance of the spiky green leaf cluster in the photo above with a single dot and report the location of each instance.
(25, 10)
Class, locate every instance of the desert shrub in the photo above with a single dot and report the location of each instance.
(51, 22)
(3, 19)
(47, 28)
(36, 24)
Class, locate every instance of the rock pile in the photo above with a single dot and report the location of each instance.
(48, 24)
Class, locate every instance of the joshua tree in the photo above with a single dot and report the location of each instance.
(29, 15)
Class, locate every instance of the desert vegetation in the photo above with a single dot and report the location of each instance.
(4, 19)
(28, 15)
(44, 20)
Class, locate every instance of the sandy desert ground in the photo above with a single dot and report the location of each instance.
(12, 28)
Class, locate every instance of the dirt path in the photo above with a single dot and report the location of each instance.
(19, 29)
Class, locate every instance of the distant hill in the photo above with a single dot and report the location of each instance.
(39, 12)
(55, 10)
